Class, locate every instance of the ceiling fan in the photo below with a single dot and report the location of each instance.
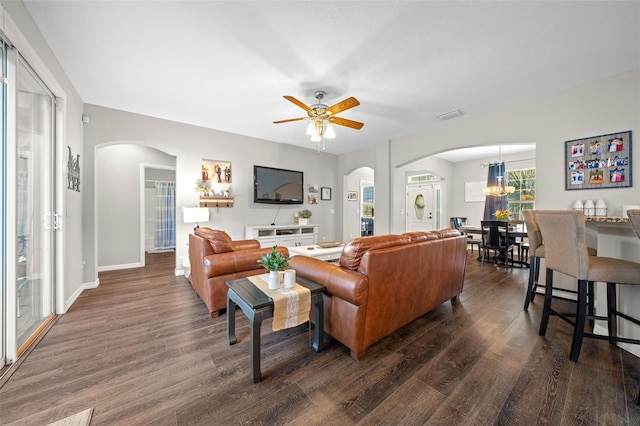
(319, 113)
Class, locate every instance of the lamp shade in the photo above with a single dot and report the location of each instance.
(195, 214)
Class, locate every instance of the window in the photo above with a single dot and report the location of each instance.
(524, 197)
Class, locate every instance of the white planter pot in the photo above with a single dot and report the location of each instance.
(302, 221)
(274, 280)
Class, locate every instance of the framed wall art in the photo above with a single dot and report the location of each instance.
(352, 196)
(215, 171)
(325, 193)
(598, 162)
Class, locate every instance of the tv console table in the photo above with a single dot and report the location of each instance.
(282, 235)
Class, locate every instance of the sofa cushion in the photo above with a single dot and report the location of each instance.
(447, 232)
(353, 251)
(220, 241)
(417, 236)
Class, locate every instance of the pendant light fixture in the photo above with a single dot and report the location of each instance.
(499, 189)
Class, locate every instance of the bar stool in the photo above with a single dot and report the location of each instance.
(537, 251)
(564, 235)
(634, 218)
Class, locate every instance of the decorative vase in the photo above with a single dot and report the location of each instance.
(289, 278)
(578, 205)
(589, 208)
(274, 280)
(601, 208)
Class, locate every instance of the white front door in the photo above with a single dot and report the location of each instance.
(423, 207)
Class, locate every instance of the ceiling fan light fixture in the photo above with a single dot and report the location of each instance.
(330, 133)
(319, 115)
(311, 129)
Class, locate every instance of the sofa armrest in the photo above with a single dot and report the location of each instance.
(246, 244)
(236, 261)
(347, 285)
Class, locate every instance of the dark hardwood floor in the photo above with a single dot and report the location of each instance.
(142, 349)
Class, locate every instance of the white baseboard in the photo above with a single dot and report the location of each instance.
(76, 294)
(118, 267)
(601, 329)
(178, 272)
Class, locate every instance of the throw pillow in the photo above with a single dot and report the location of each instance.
(220, 241)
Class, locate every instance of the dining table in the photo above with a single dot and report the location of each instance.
(514, 231)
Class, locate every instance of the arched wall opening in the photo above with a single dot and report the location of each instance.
(358, 212)
(121, 170)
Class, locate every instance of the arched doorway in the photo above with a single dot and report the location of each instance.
(358, 217)
(121, 174)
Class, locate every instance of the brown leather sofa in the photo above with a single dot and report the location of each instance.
(216, 259)
(385, 282)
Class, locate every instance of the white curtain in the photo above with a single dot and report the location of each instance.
(165, 237)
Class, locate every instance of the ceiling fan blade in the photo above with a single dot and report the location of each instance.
(291, 119)
(343, 106)
(348, 123)
(297, 102)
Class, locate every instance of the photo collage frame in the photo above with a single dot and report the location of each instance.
(599, 162)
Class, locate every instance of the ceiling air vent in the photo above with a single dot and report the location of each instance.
(449, 115)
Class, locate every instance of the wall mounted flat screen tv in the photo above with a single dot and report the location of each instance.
(277, 186)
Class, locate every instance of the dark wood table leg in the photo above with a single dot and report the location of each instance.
(231, 319)
(255, 318)
(318, 333)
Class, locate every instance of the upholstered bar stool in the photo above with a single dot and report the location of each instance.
(634, 218)
(564, 236)
(537, 252)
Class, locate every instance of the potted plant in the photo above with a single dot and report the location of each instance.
(303, 217)
(274, 261)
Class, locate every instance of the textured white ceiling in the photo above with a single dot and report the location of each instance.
(226, 64)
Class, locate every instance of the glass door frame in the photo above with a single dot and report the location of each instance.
(9, 309)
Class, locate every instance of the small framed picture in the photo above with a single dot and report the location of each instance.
(313, 189)
(216, 171)
(352, 196)
(325, 193)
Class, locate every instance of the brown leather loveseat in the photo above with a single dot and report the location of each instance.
(385, 282)
(216, 259)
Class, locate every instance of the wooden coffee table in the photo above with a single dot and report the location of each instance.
(257, 306)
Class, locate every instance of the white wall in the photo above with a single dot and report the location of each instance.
(605, 106)
(190, 144)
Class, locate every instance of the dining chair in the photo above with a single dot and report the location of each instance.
(564, 236)
(457, 222)
(496, 238)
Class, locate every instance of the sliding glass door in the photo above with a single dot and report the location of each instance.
(36, 223)
(28, 221)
